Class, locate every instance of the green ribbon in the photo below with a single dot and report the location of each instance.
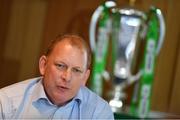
(140, 106)
(101, 51)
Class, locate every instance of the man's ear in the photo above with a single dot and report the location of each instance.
(42, 64)
(87, 74)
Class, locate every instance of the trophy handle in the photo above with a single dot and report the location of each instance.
(162, 30)
(94, 21)
(92, 30)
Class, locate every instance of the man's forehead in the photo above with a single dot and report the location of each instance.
(73, 43)
(76, 44)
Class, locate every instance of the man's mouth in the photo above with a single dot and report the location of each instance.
(62, 88)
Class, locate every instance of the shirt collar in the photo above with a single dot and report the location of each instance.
(39, 93)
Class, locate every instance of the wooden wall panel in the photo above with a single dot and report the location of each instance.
(24, 35)
(72, 16)
(21, 46)
(174, 106)
(4, 18)
(36, 11)
(58, 15)
(8, 72)
(166, 63)
(5, 6)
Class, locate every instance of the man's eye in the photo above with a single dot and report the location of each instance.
(60, 65)
(77, 70)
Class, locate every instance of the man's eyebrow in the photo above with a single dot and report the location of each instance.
(58, 61)
(77, 67)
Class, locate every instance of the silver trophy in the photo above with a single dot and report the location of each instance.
(128, 31)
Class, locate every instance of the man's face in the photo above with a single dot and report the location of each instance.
(64, 71)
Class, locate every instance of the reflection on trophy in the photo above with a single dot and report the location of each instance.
(136, 38)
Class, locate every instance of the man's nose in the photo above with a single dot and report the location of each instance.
(67, 75)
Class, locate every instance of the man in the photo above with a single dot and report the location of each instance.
(60, 93)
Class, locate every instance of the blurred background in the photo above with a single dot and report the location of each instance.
(27, 27)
